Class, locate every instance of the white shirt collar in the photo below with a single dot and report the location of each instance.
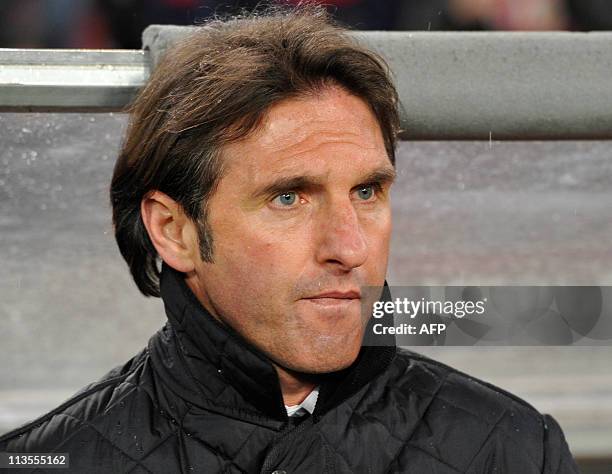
(307, 406)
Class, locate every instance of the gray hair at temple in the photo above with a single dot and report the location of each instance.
(214, 88)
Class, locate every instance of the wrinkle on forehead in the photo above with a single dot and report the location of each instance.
(303, 126)
(312, 142)
(315, 119)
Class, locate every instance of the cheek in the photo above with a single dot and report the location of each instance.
(379, 236)
(258, 261)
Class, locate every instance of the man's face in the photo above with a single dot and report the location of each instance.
(300, 221)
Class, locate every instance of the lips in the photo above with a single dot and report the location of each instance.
(329, 303)
(340, 295)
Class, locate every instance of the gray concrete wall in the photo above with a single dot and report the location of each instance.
(459, 85)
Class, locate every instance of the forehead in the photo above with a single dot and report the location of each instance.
(330, 126)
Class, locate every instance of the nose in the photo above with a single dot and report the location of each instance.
(342, 243)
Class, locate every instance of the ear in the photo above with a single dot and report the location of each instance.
(172, 233)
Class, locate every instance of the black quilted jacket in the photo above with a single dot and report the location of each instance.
(198, 399)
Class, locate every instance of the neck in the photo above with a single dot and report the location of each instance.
(295, 386)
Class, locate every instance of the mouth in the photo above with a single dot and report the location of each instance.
(335, 298)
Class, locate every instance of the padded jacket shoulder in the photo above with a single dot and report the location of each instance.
(474, 427)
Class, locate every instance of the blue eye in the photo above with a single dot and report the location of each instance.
(287, 199)
(365, 192)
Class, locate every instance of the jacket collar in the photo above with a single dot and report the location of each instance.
(210, 365)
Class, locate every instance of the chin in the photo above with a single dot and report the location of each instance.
(328, 359)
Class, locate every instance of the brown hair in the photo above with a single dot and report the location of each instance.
(214, 88)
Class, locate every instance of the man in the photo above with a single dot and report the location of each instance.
(257, 168)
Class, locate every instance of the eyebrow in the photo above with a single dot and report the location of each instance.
(384, 175)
